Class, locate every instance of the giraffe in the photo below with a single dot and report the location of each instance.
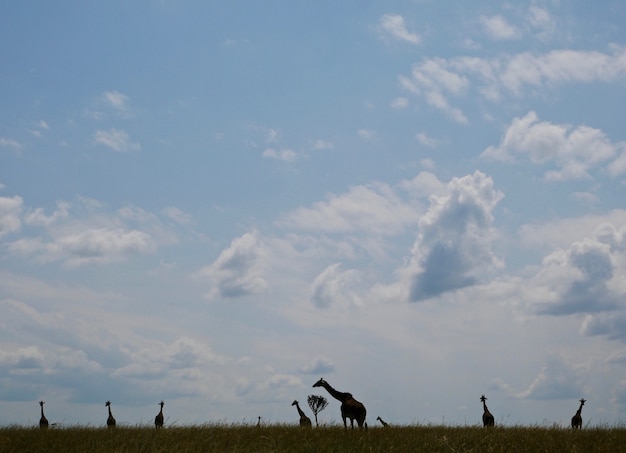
(158, 420)
(258, 424)
(305, 421)
(488, 419)
(43, 421)
(577, 419)
(350, 408)
(111, 419)
(383, 422)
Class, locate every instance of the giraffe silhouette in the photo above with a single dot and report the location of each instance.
(488, 419)
(110, 419)
(577, 419)
(350, 408)
(305, 421)
(382, 422)
(43, 421)
(158, 420)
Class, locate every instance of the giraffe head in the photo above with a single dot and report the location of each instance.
(320, 383)
(161, 404)
(295, 403)
(41, 403)
(483, 398)
(108, 403)
(582, 401)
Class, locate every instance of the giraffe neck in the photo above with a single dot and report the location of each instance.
(42, 410)
(302, 414)
(334, 393)
(110, 414)
(487, 410)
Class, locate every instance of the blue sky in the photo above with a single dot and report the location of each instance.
(217, 203)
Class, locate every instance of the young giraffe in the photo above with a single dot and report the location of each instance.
(158, 420)
(350, 408)
(111, 419)
(305, 421)
(577, 419)
(43, 421)
(383, 422)
(488, 419)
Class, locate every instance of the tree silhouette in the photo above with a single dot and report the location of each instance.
(317, 403)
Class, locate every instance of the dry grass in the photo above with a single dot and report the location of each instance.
(289, 438)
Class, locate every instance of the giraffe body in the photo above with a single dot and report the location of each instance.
(382, 422)
(305, 421)
(110, 420)
(488, 419)
(158, 420)
(577, 419)
(43, 421)
(350, 408)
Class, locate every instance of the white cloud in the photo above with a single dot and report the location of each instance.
(38, 217)
(370, 209)
(239, 269)
(454, 240)
(366, 134)
(322, 144)
(116, 139)
(10, 143)
(399, 103)
(436, 79)
(92, 246)
(498, 27)
(540, 19)
(336, 287)
(10, 210)
(286, 155)
(556, 380)
(425, 140)
(394, 26)
(118, 101)
(177, 215)
(574, 150)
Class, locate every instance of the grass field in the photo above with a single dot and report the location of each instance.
(289, 438)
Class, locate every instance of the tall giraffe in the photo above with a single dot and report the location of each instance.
(111, 419)
(305, 421)
(158, 420)
(43, 421)
(350, 408)
(488, 419)
(577, 419)
(382, 422)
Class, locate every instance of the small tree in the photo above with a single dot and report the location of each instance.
(317, 403)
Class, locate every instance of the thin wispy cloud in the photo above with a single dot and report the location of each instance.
(393, 26)
(117, 140)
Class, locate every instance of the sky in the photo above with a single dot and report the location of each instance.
(215, 204)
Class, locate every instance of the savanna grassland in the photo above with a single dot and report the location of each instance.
(289, 438)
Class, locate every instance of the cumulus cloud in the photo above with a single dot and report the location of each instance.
(574, 150)
(393, 26)
(38, 216)
(117, 140)
(578, 279)
(10, 143)
(10, 211)
(454, 239)
(239, 269)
